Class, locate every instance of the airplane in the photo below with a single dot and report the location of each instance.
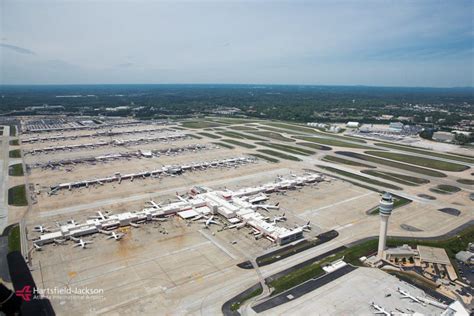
(380, 309)
(154, 204)
(41, 229)
(195, 218)
(59, 241)
(99, 215)
(82, 243)
(266, 207)
(210, 221)
(280, 218)
(116, 236)
(307, 226)
(405, 294)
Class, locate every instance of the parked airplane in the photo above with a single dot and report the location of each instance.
(266, 207)
(405, 294)
(380, 309)
(116, 236)
(72, 222)
(41, 229)
(81, 242)
(99, 215)
(280, 218)
(210, 221)
(154, 204)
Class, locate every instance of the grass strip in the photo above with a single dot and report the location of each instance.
(330, 142)
(17, 196)
(394, 164)
(420, 161)
(278, 154)
(360, 178)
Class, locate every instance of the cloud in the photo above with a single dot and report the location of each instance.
(17, 49)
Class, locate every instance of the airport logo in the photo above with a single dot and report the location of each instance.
(25, 293)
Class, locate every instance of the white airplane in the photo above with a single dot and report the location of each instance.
(405, 294)
(280, 218)
(307, 226)
(116, 236)
(266, 207)
(195, 218)
(41, 229)
(210, 221)
(82, 243)
(380, 309)
(99, 215)
(154, 204)
(72, 222)
(59, 241)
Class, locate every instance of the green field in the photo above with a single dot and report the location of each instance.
(330, 142)
(310, 130)
(231, 120)
(278, 130)
(278, 154)
(236, 305)
(15, 170)
(214, 136)
(314, 146)
(445, 189)
(351, 255)
(14, 142)
(194, 136)
(244, 128)
(274, 135)
(287, 148)
(14, 243)
(393, 164)
(200, 124)
(420, 161)
(426, 152)
(235, 142)
(269, 159)
(14, 153)
(17, 196)
(12, 130)
(343, 161)
(224, 145)
(360, 178)
(465, 181)
(238, 135)
(396, 177)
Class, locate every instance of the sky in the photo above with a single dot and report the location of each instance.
(376, 43)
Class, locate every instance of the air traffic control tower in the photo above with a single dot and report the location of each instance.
(385, 209)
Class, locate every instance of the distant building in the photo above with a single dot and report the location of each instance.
(353, 124)
(466, 257)
(446, 137)
(405, 118)
(395, 127)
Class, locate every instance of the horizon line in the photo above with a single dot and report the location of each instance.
(230, 84)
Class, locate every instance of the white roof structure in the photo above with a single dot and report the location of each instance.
(233, 206)
(433, 255)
